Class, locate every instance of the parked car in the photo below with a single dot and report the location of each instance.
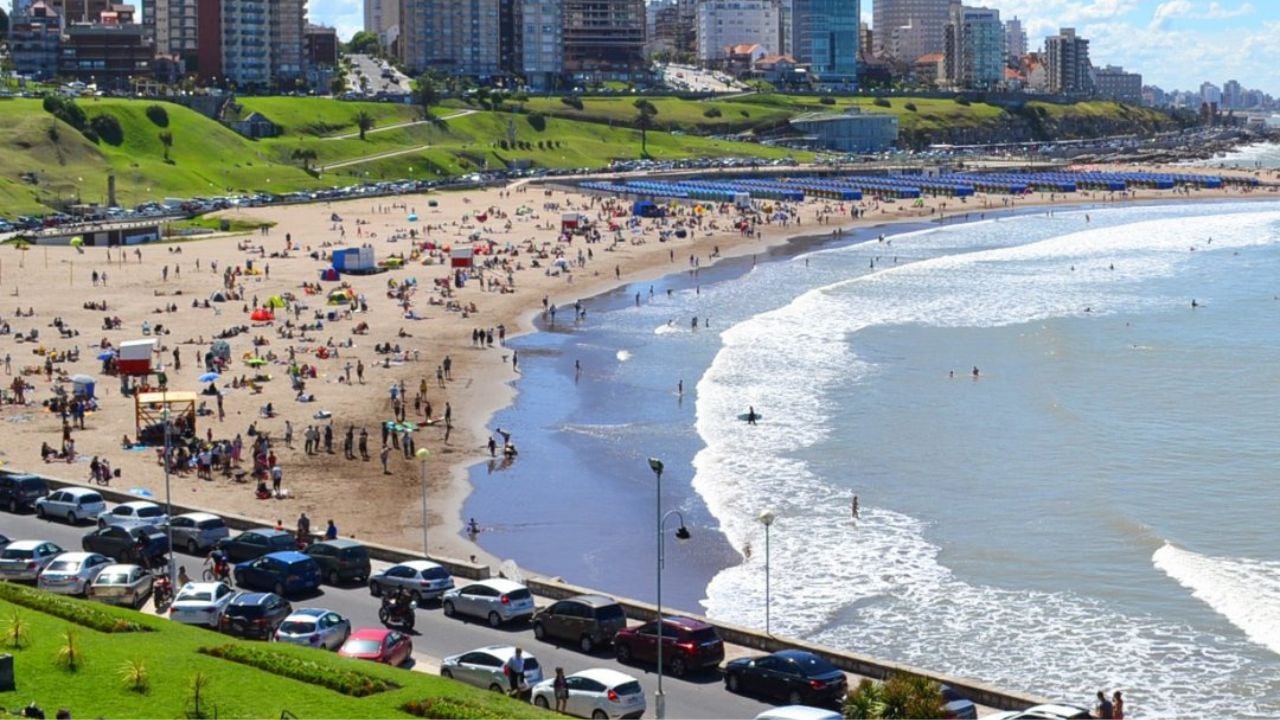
(422, 578)
(796, 676)
(71, 504)
(286, 573)
(143, 545)
(379, 645)
(134, 514)
(1052, 711)
(687, 645)
(496, 600)
(198, 531)
(483, 667)
(957, 706)
(316, 627)
(20, 491)
(588, 620)
(799, 712)
(24, 559)
(341, 560)
(254, 615)
(127, 585)
(595, 693)
(255, 543)
(71, 573)
(4, 541)
(201, 603)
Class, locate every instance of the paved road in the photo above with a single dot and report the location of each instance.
(437, 636)
(370, 69)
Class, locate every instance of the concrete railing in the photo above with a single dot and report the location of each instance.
(865, 665)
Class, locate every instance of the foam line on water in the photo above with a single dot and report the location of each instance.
(1245, 592)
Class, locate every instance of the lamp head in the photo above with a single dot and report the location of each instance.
(767, 517)
(682, 533)
(655, 465)
(422, 454)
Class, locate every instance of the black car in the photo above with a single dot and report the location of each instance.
(341, 560)
(144, 545)
(792, 676)
(255, 615)
(255, 543)
(19, 491)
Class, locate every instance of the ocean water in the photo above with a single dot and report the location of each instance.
(1257, 155)
(1094, 511)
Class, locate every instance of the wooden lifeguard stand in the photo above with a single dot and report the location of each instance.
(150, 407)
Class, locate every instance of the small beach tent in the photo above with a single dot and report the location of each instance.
(413, 217)
(572, 221)
(221, 349)
(218, 296)
(135, 357)
(646, 209)
(461, 256)
(330, 274)
(261, 315)
(275, 301)
(742, 201)
(82, 385)
(354, 260)
(340, 297)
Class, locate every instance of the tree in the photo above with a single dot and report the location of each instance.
(364, 43)
(428, 93)
(365, 122)
(166, 139)
(306, 155)
(901, 697)
(644, 120)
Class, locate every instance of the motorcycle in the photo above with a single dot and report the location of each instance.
(162, 593)
(397, 612)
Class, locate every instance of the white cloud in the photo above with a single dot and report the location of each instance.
(1172, 9)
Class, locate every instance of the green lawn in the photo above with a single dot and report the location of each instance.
(171, 660)
(317, 116)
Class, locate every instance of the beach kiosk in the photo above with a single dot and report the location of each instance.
(573, 222)
(149, 413)
(357, 261)
(461, 256)
(135, 357)
(82, 386)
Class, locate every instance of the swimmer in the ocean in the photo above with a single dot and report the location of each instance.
(975, 372)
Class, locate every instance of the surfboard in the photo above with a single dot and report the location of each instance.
(747, 416)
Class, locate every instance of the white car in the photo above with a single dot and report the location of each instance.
(799, 712)
(482, 667)
(71, 573)
(316, 627)
(24, 559)
(126, 585)
(201, 603)
(198, 531)
(71, 504)
(135, 514)
(497, 600)
(596, 693)
(423, 579)
(1043, 712)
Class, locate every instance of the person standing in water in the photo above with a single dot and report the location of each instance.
(854, 507)
(751, 415)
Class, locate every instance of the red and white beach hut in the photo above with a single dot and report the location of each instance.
(135, 357)
(461, 256)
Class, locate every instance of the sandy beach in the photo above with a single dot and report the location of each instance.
(417, 309)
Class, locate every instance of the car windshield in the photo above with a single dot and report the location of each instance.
(814, 666)
(281, 540)
(120, 578)
(298, 627)
(64, 566)
(520, 594)
(628, 688)
(195, 596)
(363, 646)
(610, 612)
(150, 512)
(435, 573)
(17, 554)
(705, 635)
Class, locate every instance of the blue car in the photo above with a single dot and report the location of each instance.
(284, 573)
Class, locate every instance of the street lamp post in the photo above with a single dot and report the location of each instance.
(766, 518)
(422, 456)
(682, 533)
(168, 499)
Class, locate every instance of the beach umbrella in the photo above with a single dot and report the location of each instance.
(255, 362)
(77, 241)
(275, 301)
(209, 377)
(262, 315)
(141, 492)
(413, 217)
(106, 355)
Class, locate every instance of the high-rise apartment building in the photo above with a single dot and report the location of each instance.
(1067, 63)
(829, 40)
(176, 27)
(908, 29)
(287, 39)
(542, 43)
(1232, 95)
(82, 11)
(460, 37)
(604, 39)
(1015, 39)
(382, 18)
(510, 36)
(1114, 83)
(251, 43)
(1210, 94)
(725, 23)
(973, 55)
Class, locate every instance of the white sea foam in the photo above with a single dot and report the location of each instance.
(880, 587)
(670, 329)
(1245, 592)
(623, 355)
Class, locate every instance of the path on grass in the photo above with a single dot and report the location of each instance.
(397, 126)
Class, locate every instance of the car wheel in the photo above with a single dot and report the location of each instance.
(448, 608)
(40, 513)
(586, 644)
(623, 652)
(541, 702)
(279, 589)
(599, 715)
(539, 631)
(192, 548)
(734, 684)
(678, 667)
(494, 619)
(794, 698)
(333, 577)
(416, 597)
(13, 506)
(495, 687)
(446, 673)
(375, 589)
(72, 519)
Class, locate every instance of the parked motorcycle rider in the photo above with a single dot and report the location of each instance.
(219, 563)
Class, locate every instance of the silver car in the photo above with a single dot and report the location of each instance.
(24, 559)
(316, 627)
(497, 600)
(71, 504)
(483, 667)
(198, 531)
(135, 514)
(126, 585)
(423, 579)
(71, 573)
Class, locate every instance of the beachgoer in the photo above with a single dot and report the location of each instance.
(1117, 706)
(560, 687)
(855, 507)
(1104, 710)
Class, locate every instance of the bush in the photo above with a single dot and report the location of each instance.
(827, 100)
(443, 708)
(135, 676)
(347, 682)
(711, 112)
(69, 655)
(158, 115)
(910, 106)
(538, 121)
(80, 612)
(17, 633)
(108, 128)
(572, 101)
(65, 110)
(881, 102)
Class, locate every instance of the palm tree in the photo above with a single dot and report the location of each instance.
(428, 94)
(306, 155)
(365, 122)
(166, 139)
(644, 120)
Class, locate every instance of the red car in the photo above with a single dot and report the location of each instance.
(379, 645)
(687, 645)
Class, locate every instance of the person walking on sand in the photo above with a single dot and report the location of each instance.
(364, 444)
(385, 456)
(360, 371)
(493, 447)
